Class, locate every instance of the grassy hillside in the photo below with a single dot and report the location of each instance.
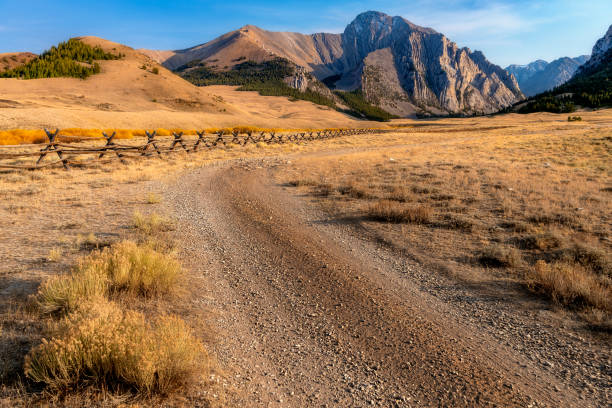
(589, 88)
(68, 59)
(267, 79)
(361, 108)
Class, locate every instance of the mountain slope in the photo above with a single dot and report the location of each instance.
(10, 60)
(429, 73)
(137, 92)
(591, 85)
(540, 76)
(598, 55)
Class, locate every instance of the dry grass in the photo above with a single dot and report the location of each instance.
(101, 345)
(153, 198)
(572, 285)
(136, 269)
(124, 267)
(512, 193)
(392, 211)
(499, 256)
(151, 223)
(97, 343)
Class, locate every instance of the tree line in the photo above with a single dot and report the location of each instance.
(267, 79)
(71, 58)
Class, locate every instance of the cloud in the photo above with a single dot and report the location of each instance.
(490, 19)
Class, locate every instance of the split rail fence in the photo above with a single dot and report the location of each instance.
(65, 153)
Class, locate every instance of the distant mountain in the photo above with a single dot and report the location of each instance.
(540, 76)
(523, 72)
(591, 85)
(392, 63)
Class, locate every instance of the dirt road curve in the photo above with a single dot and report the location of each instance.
(312, 316)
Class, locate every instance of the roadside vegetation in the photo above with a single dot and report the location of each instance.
(534, 207)
(72, 58)
(93, 341)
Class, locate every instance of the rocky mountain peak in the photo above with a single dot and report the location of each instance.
(400, 66)
(603, 44)
(600, 51)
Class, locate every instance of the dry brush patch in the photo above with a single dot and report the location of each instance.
(502, 198)
(100, 344)
(92, 341)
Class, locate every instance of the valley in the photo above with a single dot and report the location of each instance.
(372, 217)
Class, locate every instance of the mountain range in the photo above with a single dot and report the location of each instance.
(401, 67)
(590, 86)
(540, 76)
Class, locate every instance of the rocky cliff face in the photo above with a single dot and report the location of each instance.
(399, 65)
(540, 76)
(432, 72)
(600, 52)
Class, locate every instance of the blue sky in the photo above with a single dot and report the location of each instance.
(507, 32)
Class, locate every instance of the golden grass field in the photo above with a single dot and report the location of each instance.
(526, 197)
(520, 198)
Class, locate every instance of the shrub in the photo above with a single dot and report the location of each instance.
(499, 256)
(151, 224)
(137, 269)
(100, 344)
(155, 70)
(153, 198)
(392, 211)
(124, 267)
(458, 222)
(574, 118)
(542, 242)
(355, 191)
(63, 294)
(571, 284)
(590, 257)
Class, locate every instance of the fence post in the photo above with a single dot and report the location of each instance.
(110, 145)
(178, 139)
(219, 138)
(52, 147)
(235, 139)
(200, 139)
(249, 137)
(151, 141)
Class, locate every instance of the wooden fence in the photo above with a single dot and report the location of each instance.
(65, 153)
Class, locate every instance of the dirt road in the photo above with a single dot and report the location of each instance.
(312, 315)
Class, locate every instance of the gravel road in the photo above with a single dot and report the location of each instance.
(311, 313)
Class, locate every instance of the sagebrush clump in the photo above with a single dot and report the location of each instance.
(124, 267)
(99, 344)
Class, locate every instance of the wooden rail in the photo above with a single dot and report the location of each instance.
(154, 146)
